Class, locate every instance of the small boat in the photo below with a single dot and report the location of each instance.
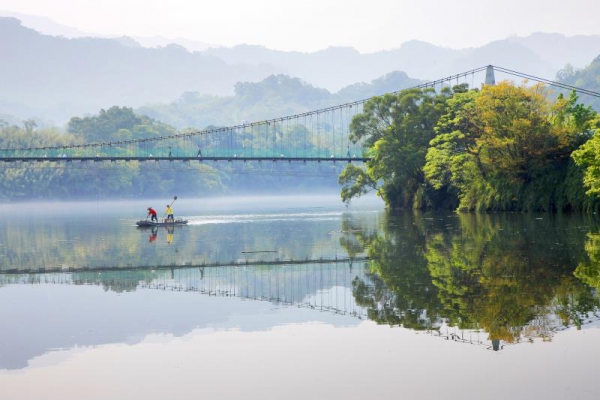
(145, 223)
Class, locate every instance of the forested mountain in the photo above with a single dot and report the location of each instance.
(275, 96)
(56, 78)
(51, 78)
(588, 78)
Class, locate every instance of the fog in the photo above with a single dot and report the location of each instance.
(188, 206)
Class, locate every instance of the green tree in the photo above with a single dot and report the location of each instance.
(105, 180)
(588, 77)
(588, 158)
(117, 123)
(507, 148)
(396, 130)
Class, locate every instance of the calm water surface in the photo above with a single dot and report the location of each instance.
(296, 298)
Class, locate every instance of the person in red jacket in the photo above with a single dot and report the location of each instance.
(153, 214)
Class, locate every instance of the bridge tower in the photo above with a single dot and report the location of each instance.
(489, 75)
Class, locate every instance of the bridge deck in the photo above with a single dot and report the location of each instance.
(185, 159)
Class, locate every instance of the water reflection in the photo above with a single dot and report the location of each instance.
(516, 277)
(53, 244)
(69, 311)
(51, 270)
(489, 280)
(318, 285)
(166, 231)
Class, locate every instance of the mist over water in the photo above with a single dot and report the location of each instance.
(190, 207)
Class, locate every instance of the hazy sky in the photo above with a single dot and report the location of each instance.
(309, 25)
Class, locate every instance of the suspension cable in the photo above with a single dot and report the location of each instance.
(225, 130)
(242, 127)
(547, 81)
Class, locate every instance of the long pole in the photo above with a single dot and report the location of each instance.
(174, 198)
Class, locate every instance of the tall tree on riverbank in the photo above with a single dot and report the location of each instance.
(588, 158)
(503, 148)
(507, 147)
(396, 130)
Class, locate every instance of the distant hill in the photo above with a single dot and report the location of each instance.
(587, 78)
(52, 78)
(58, 77)
(337, 67)
(273, 97)
(559, 50)
(47, 26)
(158, 41)
(555, 49)
(541, 54)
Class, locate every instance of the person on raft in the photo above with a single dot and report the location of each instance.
(152, 213)
(170, 214)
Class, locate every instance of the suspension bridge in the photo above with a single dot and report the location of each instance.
(317, 136)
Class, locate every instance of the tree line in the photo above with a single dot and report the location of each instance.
(501, 148)
(46, 180)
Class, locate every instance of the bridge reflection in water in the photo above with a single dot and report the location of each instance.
(339, 286)
(322, 285)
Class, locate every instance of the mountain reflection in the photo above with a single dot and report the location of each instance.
(516, 277)
(491, 280)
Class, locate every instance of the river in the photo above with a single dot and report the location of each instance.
(295, 297)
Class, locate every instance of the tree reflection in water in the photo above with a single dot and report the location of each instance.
(512, 276)
(508, 278)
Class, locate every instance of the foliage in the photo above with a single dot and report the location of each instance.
(589, 270)
(104, 180)
(356, 182)
(501, 148)
(588, 158)
(396, 130)
(588, 78)
(117, 123)
(506, 148)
